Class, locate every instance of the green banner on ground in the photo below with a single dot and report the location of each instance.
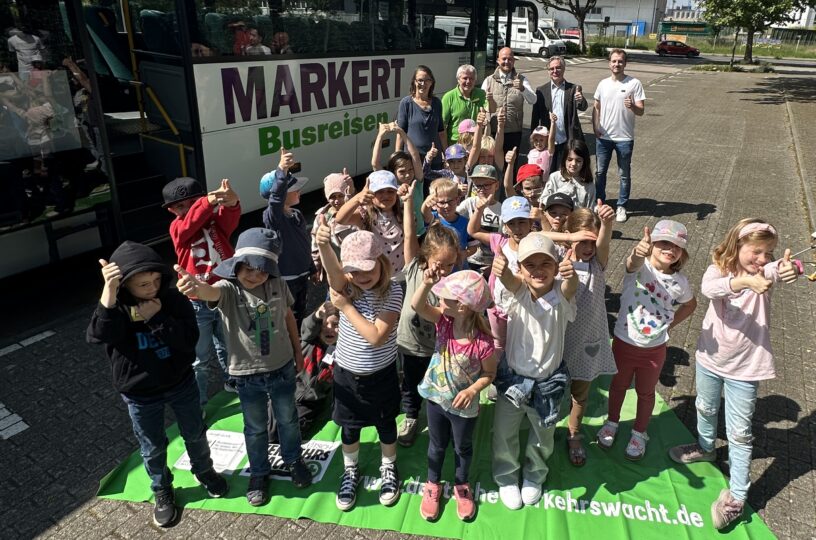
(651, 498)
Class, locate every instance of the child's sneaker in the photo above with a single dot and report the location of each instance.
(725, 510)
(465, 505)
(165, 512)
(214, 483)
(606, 435)
(256, 491)
(407, 433)
(429, 509)
(347, 495)
(637, 446)
(301, 475)
(511, 496)
(390, 484)
(691, 453)
(530, 492)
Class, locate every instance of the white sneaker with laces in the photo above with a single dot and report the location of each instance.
(620, 214)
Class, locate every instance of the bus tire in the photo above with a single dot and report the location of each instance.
(544, 52)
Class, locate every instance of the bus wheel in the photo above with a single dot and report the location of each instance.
(544, 52)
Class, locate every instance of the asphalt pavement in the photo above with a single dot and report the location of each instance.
(712, 148)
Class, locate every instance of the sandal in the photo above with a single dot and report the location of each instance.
(577, 452)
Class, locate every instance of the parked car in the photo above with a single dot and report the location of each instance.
(676, 48)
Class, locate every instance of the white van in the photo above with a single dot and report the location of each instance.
(458, 32)
(542, 40)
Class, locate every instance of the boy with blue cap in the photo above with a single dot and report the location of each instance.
(282, 190)
(264, 350)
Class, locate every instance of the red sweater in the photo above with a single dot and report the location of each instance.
(201, 237)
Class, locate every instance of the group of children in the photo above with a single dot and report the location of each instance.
(465, 291)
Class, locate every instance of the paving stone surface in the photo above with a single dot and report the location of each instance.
(711, 149)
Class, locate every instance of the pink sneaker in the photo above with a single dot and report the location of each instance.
(429, 509)
(465, 505)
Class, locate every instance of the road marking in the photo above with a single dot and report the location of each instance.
(657, 91)
(26, 342)
(10, 424)
(665, 85)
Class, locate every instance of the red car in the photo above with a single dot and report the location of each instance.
(676, 48)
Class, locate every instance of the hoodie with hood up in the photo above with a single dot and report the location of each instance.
(147, 357)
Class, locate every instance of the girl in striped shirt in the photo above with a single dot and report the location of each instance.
(366, 385)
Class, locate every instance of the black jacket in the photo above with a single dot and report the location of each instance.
(543, 108)
(147, 358)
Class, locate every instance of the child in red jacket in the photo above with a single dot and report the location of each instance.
(200, 233)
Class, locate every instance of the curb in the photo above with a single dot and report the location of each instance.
(810, 202)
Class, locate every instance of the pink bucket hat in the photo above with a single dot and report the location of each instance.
(359, 251)
(336, 183)
(466, 287)
(466, 126)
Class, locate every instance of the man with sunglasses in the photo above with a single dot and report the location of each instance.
(565, 100)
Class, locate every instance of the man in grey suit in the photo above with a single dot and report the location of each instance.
(565, 100)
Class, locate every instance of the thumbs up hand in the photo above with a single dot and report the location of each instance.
(432, 153)
(187, 283)
(565, 268)
(644, 247)
(510, 156)
(787, 270)
(324, 232)
(287, 160)
(605, 212)
(366, 195)
(517, 82)
(499, 264)
(111, 274)
(408, 193)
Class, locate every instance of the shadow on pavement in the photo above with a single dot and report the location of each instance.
(774, 90)
(784, 446)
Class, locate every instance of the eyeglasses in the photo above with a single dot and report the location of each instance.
(445, 203)
(482, 187)
(423, 81)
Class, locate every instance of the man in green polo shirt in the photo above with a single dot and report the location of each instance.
(462, 102)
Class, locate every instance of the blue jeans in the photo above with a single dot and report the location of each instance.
(147, 416)
(254, 391)
(603, 156)
(740, 402)
(210, 343)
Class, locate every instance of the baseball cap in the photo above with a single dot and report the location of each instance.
(336, 183)
(379, 180)
(537, 242)
(540, 131)
(359, 251)
(268, 180)
(670, 231)
(560, 198)
(515, 207)
(528, 171)
(181, 189)
(455, 151)
(485, 171)
(467, 126)
(466, 287)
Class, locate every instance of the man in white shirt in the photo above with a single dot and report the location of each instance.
(509, 89)
(618, 99)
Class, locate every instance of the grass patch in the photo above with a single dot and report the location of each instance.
(738, 68)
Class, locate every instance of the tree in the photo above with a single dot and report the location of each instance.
(752, 15)
(576, 9)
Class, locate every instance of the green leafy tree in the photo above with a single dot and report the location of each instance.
(751, 15)
(576, 8)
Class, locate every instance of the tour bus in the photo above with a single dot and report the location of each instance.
(104, 101)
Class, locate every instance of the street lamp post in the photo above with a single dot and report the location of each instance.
(637, 23)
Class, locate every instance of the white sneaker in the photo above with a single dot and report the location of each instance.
(620, 214)
(530, 492)
(510, 496)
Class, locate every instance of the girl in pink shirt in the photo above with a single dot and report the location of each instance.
(734, 352)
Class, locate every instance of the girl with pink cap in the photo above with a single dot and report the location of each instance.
(463, 364)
